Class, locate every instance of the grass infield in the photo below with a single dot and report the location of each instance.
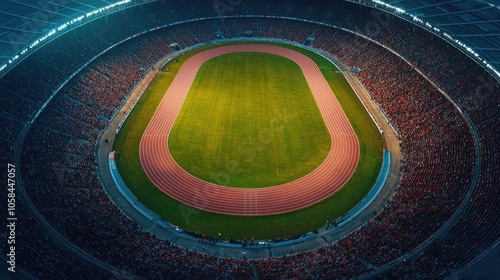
(251, 113)
(294, 223)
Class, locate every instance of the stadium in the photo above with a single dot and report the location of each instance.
(157, 139)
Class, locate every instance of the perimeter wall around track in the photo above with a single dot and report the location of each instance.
(372, 194)
(132, 199)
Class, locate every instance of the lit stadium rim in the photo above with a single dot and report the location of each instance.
(53, 33)
(436, 30)
(75, 22)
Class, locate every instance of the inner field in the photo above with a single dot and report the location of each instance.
(248, 121)
(262, 227)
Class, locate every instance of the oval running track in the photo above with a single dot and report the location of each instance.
(322, 182)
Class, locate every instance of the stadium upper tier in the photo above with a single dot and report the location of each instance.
(55, 103)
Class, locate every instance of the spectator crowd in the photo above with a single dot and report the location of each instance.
(59, 169)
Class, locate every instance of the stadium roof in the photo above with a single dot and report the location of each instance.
(25, 24)
(476, 23)
(24, 21)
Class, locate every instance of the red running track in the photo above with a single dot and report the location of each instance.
(330, 176)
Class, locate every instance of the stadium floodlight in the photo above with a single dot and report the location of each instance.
(396, 9)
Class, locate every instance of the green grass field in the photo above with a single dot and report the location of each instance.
(299, 222)
(259, 117)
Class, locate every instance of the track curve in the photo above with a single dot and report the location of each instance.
(326, 179)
